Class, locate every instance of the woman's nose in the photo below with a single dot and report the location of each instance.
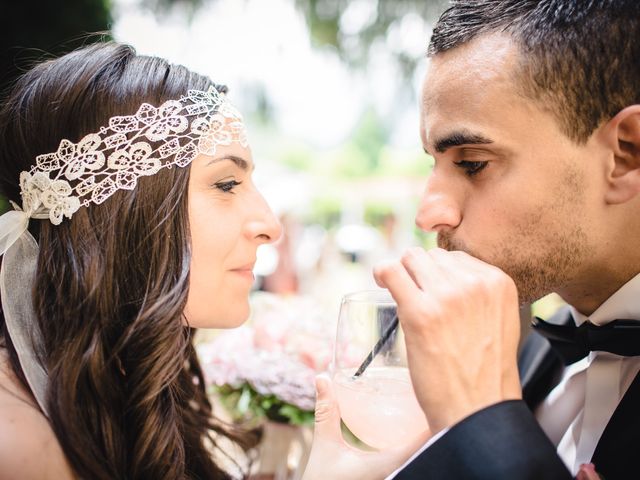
(264, 226)
(438, 209)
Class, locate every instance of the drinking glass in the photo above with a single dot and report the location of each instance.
(379, 405)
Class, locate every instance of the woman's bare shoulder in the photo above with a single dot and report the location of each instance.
(28, 447)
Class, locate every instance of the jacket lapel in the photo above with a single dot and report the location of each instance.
(616, 455)
(539, 366)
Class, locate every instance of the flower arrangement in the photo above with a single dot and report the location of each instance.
(266, 369)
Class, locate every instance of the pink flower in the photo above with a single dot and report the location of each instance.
(588, 472)
(271, 332)
(278, 353)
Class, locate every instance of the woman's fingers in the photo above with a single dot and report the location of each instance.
(327, 414)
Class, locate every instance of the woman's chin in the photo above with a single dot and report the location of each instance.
(232, 322)
(223, 320)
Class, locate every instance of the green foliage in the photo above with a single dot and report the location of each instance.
(347, 162)
(325, 211)
(245, 404)
(297, 158)
(425, 239)
(324, 17)
(376, 213)
(165, 6)
(412, 163)
(370, 137)
(360, 156)
(4, 204)
(547, 306)
(56, 28)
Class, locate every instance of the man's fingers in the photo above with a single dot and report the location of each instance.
(394, 277)
(423, 267)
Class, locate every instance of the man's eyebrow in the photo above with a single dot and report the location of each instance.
(239, 161)
(456, 139)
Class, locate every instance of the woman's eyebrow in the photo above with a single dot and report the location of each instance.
(239, 161)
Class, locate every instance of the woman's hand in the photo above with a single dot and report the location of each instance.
(331, 457)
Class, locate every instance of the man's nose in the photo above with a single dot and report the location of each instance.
(438, 209)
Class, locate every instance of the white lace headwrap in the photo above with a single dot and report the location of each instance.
(89, 172)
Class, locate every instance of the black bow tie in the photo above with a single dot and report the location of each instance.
(572, 343)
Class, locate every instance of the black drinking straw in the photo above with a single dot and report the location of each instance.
(384, 338)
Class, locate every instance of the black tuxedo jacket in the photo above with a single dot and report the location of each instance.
(505, 442)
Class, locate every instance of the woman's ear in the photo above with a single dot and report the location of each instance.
(624, 178)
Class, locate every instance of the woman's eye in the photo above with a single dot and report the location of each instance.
(228, 186)
(471, 168)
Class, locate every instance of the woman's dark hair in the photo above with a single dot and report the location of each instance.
(126, 395)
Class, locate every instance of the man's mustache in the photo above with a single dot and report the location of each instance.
(446, 242)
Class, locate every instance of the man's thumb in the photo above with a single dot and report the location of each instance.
(327, 414)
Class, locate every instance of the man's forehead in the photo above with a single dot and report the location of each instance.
(486, 60)
(467, 82)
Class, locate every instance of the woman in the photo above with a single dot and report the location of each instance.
(156, 251)
(133, 177)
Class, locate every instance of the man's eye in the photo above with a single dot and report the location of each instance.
(227, 187)
(471, 168)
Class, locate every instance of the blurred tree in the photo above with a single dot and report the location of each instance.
(376, 213)
(351, 27)
(325, 211)
(370, 136)
(166, 5)
(367, 34)
(32, 29)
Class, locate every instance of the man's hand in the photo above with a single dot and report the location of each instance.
(332, 458)
(461, 323)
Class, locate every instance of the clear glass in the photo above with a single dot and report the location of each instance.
(379, 406)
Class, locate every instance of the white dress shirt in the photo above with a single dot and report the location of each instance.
(577, 410)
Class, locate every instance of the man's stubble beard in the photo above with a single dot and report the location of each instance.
(536, 273)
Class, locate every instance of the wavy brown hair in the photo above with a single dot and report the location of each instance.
(126, 394)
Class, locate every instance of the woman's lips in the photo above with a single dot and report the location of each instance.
(245, 271)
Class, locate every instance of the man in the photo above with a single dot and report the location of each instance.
(531, 110)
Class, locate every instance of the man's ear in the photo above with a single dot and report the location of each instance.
(624, 134)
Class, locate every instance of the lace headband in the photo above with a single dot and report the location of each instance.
(89, 172)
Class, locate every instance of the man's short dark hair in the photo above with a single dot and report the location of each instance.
(579, 58)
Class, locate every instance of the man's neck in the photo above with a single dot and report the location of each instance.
(588, 295)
